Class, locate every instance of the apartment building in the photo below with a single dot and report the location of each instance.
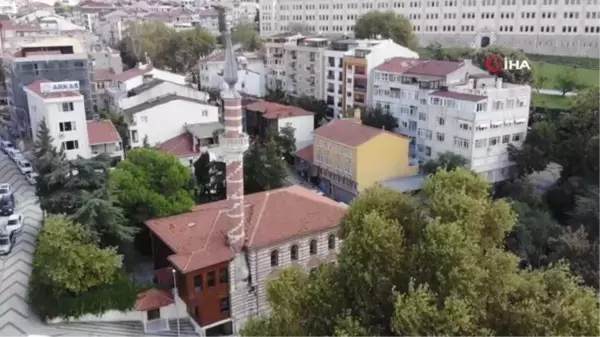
(251, 73)
(303, 59)
(347, 157)
(558, 27)
(356, 71)
(454, 106)
(275, 61)
(53, 59)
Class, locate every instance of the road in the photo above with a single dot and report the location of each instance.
(16, 318)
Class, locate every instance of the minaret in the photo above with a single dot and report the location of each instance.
(234, 143)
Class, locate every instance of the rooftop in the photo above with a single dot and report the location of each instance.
(349, 132)
(36, 88)
(198, 238)
(153, 299)
(103, 74)
(271, 110)
(305, 153)
(54, 42)
(102, 132)
(159, 101)
(402, 65)
(179, 146)
(131, 73)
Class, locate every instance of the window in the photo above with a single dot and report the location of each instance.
(144, 119)
(66, 126)
(505, 139)
(294, 252)
(313, 247)
(198, 283)
(210, 279)
(479, 143)
(224, 304)
(224, 276)
(494, 141)
(134, 136)
(422, 116)
(70, 145)
(464, 126)
(204, 113)
(517, 137)
(331, 242)
(427, 151)
(67, 106)
(440, 137)
(441, 120)
(274, 258)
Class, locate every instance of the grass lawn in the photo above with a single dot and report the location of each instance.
(588, 77)
(551, 101)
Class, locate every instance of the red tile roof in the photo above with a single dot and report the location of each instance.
(129, 74)
(277, 111)
(199, 238)
(397, 64)
(402, 65)
(103, 75)
(179, 146)
(36, 87)
(102, 132)
(458, 96)
(305, 153)
(153, 299)
(350, 132)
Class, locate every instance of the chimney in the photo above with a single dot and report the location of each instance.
(235, 143)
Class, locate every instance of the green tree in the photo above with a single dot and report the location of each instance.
(387, 24)
(447, 161)
(72, 276)
(247, 35)
(274, 165)
(431, 264)
(581, 253)
(264, 167)
(521, 76)
(186, 48)
(566, 81)
(276, 96)
(151, 184)
(379, 118)
(437, 52)
(118, 121)
(254, 175)
(318, 107)
(287, 142)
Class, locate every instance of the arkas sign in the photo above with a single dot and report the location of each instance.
(59, 86)
(496, 64)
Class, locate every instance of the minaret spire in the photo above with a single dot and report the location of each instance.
(234, 143)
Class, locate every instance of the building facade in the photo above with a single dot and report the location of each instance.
(251, 73)
(557, 27)
(453, 106)
(57, 59)
(349, 157)
(61, 107)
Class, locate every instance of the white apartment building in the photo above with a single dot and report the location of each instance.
(61, 106)
(251, 73)
(166, 117)
(274, 59)
(559, 27)
(454, 106)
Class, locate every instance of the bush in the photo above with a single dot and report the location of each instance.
(50, 302)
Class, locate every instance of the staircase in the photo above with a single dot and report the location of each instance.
(121, 329)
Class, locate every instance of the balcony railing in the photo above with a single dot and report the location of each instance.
(360, 88)
(330, 89)
(331, 77)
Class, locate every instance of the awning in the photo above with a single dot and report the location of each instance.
(483, 126)
(497, 123)
(521, 120)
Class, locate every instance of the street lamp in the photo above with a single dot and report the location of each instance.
(175, 295)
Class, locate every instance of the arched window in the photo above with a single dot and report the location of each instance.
(294, 252)
(274, 258)
(331, 242)
(313, 247)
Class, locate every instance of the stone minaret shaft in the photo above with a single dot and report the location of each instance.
(234, 142)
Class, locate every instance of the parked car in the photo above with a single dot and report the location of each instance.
(7, 241)
(31, 177)
(5, 189)
(15, 224)
(7, 204)
(5, 145)
(24, 165)
(14, 153)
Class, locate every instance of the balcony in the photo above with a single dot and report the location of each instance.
(330, 89)
(294, 56)
(278, 55)
(331, 76)
(360, 88)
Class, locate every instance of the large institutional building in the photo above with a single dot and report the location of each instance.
(559, 27)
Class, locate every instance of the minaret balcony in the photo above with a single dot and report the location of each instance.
(238, 144)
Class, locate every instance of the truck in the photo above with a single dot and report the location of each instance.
(7, 238)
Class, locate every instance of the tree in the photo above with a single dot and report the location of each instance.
(257, 18)
(540, 80)
(287, 142)
(582, 254)
(387, 24)
(517, 76)
(151, 184)
(432, 264)
(436, 52)
(446, 161)
(264, 168)
(276, 96)
(254, 175)
(379, 118)
(318, 107)
(210, 179)
(72, 276)
(566, 81)
(187, 47)
(247, 35)
(274, 165)
(119, 122)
